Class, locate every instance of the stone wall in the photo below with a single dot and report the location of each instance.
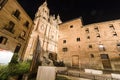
(97, 48)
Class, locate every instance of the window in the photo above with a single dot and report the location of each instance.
(96, 29)
(101, 47)
(104, 56)
(92, 56)
(114, 34)
(2, 3)
(71, 26)
(98, 35)
(111, 27)
(10, 27)
(17, 14)
(87, 30)
(44, 18)
(88, 37)
(64, 41)
(26, 24)
(118, 46)
(17, 49)
(65, 49)
(78, 39)
(90, 46)
(3, 40)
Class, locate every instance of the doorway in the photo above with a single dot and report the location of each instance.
(106, 61)
(75, 61)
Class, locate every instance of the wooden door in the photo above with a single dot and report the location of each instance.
(106, 61)
(106, 64)
(75, 61)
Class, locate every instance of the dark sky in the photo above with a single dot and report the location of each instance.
(91, 11)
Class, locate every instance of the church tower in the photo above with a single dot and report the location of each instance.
(46, 29)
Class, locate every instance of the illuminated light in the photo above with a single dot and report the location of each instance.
(101, 46)
(5, 56)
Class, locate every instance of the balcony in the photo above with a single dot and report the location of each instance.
(2, 3)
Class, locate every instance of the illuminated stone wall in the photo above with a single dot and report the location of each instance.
(15, 27)
(97, 48)
(46, 27)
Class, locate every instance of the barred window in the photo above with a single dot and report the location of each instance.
(65, 49)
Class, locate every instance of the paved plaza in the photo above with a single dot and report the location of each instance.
(74, 78)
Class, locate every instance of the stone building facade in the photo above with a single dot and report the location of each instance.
(45, 31)
(15, 27)
(94, 46)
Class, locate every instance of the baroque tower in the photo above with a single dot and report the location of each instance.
(46, 29)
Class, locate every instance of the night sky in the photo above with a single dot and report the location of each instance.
(91, 11)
